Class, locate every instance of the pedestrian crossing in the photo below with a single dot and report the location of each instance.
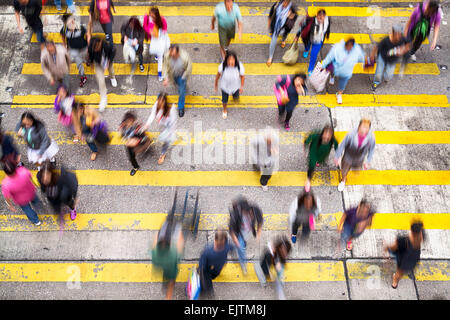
(432, 269)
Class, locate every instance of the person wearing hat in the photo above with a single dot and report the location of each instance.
(388, 52)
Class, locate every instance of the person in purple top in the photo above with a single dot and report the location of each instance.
(427, 15)
(353, 223)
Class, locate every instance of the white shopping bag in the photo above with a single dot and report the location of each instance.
(318, 79)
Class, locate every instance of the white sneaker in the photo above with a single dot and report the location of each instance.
(37, 223)
(102, 105)
(339, 98)
(265, 188)
(114, 82)
(413, 58)
(341, 186)
(331, 80)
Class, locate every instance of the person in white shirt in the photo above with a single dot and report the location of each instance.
(231, 74)
(166, 117)
(264, 154)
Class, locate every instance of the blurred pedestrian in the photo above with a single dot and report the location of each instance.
(264, 154)
(231, 74)
(302, 212)
(352, 151)
(340, 61)
(100, 10)
(353, 223)
(388, 52)
(89, 126)
(227, 15)
(320, 144)
(425, 16)
(287, 92)
(9, 151)
(166, 117)
(245, 220)
(64, 101)
(40, 146)
(212, 260)
(166, 253)
(313, 31)
(102, 54)
(177, 67)
(76, 38)
(407, 251)
(55, 62)
(70, 6)
(31, 10)
(136, 141)
(60, 188)
(132, 38)
(18, 188)
(282, 17)
(155, 27)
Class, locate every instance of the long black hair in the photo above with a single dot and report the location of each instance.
(302, 197)
(166, 106)
(225, 61)
(158, 20)
(35, 122)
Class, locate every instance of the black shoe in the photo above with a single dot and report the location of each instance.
(133, 171)
(181, 113)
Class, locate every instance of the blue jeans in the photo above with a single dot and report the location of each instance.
(342, 83)
(383, 69)
(273, 45)
(31, 214)
(69, 3)
(314, 53)
(92, 146)
(40, 35)
(181, 91)
(242, 250)
(347, 233)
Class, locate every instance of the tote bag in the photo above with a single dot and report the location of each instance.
(290, 57)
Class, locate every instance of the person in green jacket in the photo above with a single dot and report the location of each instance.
(320, 144)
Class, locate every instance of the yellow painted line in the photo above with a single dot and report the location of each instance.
(356, 1)
(242, 137)
(251, 69)
(251, 178)
(213, 38)
(142, 272)
(154, 221)
(426, 271)
(377, 37)
(197, 11)
(328, 100)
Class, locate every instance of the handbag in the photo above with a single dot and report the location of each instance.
(193, 285)
(290, 57)
(318, 78)
(161, 44)
(282, 100)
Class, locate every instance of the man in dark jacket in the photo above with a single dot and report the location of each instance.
(31, 10)
(245, 219)
(102, 54)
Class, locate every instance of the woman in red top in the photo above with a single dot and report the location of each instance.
(155, 27)
(100, 10)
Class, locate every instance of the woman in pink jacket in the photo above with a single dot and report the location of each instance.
(155, 28)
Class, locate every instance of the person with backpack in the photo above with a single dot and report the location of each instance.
(352, 151)
(320, 144)
(406, 251)
(313, 31)
(245, 220)
(425, 16)
(166, 118)
(287, 92)
(102, 54)
(212, 260)
(302, 212)
(353, 223)
(155, 27)
(227, 15)
(76, 38)
(282, 17)
(132, 38)
(264, 154)
(18, 188)
(60, 188)
(40, 146)
(31, 10)
(231, 74)
(100, 10)
(89, 126)
(340, 61)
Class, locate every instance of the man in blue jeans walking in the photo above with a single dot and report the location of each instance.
(245, 220)
(177, 67)
(389, 50)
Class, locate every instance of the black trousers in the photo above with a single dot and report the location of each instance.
(310, 171)
(266, 262)
(305, 229)
(132, 157)
(206, 283)
(282, 110)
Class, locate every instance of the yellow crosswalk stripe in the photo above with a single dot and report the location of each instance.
(154, 221)
(241, 137)
(356, 1)
(196, 11)
(251, 69)
(328, 100)
(251, 178)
